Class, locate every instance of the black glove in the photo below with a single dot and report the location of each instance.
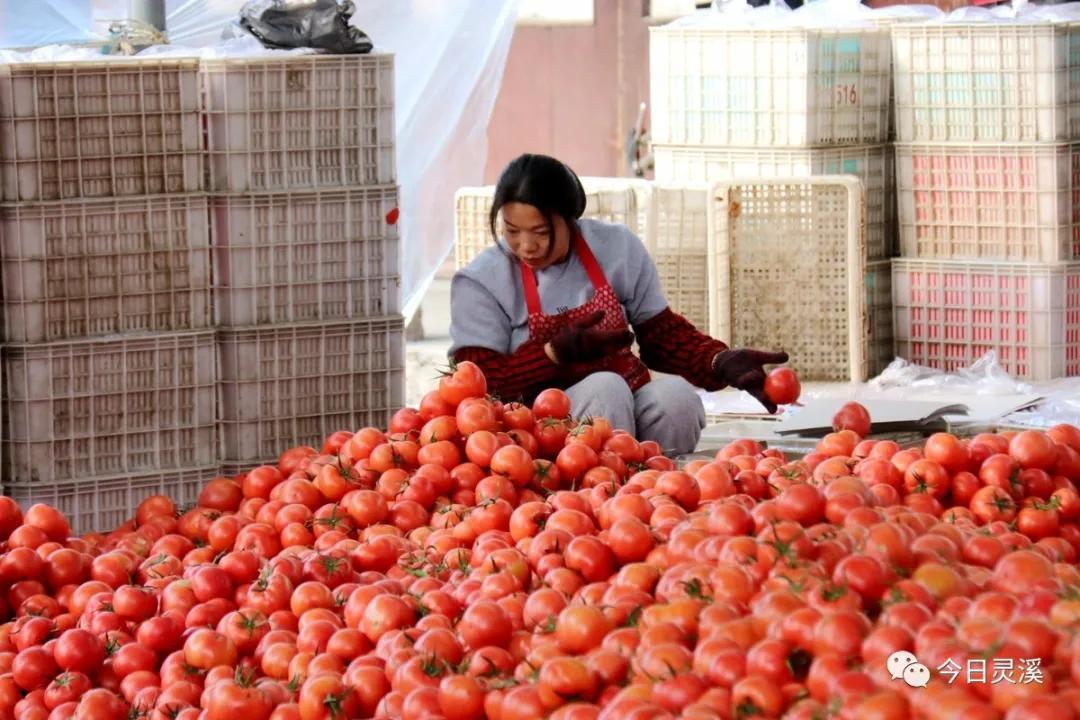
(743, 369)
(581, 341)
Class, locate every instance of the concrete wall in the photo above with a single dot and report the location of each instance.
(573, 92)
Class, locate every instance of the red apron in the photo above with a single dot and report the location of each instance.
(543, 327)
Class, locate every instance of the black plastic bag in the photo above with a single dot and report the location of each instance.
(318, 24)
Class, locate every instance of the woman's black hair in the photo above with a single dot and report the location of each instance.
(543, 182)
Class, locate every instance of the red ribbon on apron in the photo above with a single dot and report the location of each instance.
(543, 327)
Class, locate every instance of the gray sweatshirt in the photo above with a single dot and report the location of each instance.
(487, 301)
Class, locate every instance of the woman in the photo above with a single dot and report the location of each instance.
(552, 303)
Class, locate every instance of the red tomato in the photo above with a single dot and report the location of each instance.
(852, 416)
(948, 451)
(484, 623)
(326, 697)
(49, 520)
(475, 415)
(79, 651)
(551, 404)
(134, 603)
(100, 704)
(782, 386)
(33, 668)
(11, 517)
(464, 381)
(65, 688)
(231, 699)
(206, 649)
(221, 494)
(1033, 449)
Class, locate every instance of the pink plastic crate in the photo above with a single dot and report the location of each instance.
(950, 313)
(989, 202)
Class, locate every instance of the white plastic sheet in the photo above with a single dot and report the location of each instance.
(736, 13)
(449, 61)
(24, 23)
(777, 14)
(449, 67)
(1018, 11)
(986, 378)
(831, 14)
(907, 13)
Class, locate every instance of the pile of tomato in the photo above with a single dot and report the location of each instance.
(488, 560)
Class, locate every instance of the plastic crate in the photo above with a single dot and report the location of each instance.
(787, 271)
(989, 202)
(769, 87)
(300, 257)
(611, 199)
(872, 164)
(99, 129)
(299, 122)
(986, 82)
(950, 313)
(880, 338)
(76, 269)
(887, 21)
(293, 385)
(232, 469)
(677, 236)
(104, 504)
(110, 406)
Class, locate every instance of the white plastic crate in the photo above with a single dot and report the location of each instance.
(677, 236)
(305, 256)
(110, 406)
(292, 385)
(879, 317)
(989, 202)
(986, 82)
(104, 504)
(787, 271)
(872, 164)
(769, 87)
(611, 199)
(950, 313)
(75, 269)
(299, 122)
(232, 469)
(99, 129)
(887, 21)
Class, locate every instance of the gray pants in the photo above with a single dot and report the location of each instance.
(667, 410)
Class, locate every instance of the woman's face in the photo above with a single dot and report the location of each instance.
(529, 237)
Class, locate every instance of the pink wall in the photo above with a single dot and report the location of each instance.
(563, 94)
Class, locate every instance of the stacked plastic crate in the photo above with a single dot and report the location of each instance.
(740, 102)
(988, 172)
(109, 370)
(305, 249)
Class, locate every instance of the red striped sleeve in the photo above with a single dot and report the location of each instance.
(520, 375)
(670, 344)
